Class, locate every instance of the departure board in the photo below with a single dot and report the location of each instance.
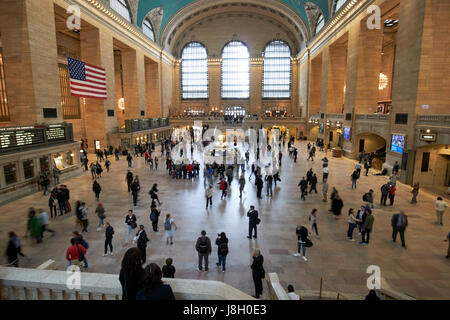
(56, 133)
(19, 138)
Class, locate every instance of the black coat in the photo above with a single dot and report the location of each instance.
(336, 206)
(253, 215)
(159, 292)
(142, 240)
(257, 267)
(131, 283)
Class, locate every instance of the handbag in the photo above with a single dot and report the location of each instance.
(258, 221)
(133, 225)
(308, 243)
(81, 254)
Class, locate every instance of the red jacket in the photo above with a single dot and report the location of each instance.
(189, 167)
(73, 252)
(392, 191)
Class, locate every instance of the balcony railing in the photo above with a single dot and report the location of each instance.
(373, 117)
(434, 118)
(335, 116)
(33, 284)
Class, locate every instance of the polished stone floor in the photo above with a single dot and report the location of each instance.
(421, 270)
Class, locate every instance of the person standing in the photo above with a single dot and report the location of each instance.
(384, 193)
(100, 211)
(399, 223)
(253, 222)
(241, 185)
(325, 171)
(107, 165)
(129, 179)
(336, 206)
(441, 205)
(169, 228)
(208, 195)
(269, 182)
(415, 192)
(303, 184)
(156, 163)
(109, 232)
(141, 240)
(130, 160)
(366, 166)
(391, 195)
(302, 240)
(368, 198)
(325, 190)
(96, 188)
(153, 287)
(203, 247)
(352, 221)
(75, 253)
(14, 249)
(259, 186)
(258, 272)
(56, 173)
(367, 227)
(313, 218)
(52, 205)
(354, 178)
(130, 221)
(131, 274)
(135, 187)
(222, 249)
(154, 216)
(309, 175)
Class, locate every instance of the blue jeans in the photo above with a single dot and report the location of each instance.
(269, 189)
(300, 246)
(222, 261)
(351, 226)
(100, 223)
(353, 184)
(129, 232)
(129, 164)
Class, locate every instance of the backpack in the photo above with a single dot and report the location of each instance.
(153, 216)
(364, 197)
(223, 248)
(203, 246)
(167, 225)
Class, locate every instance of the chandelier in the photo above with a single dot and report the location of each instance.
(384, 81)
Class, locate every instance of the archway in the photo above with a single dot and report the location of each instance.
(371, 145)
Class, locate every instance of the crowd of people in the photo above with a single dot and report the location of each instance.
(146, 283)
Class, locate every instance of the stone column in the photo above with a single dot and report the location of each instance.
(303, 75)
(30, 56)
(130, 84)
(256, 75)
(97, 49)
(323, 93)
(214, 78)
(294, 105)
(153, 90)
(337, 61)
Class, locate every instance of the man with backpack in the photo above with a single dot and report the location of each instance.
(222, 250)
(203, 247)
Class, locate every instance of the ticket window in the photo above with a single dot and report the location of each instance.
(63, 160)
(10, 172)
(28, 169)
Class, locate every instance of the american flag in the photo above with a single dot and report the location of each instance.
(86, 80)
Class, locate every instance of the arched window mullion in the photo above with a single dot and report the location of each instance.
(194, 71)
(148, 30)
(277, 71)
(235, 71)
(122, 8)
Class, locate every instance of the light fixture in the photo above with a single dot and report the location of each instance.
(121, 104)
(428, 130)
(384, 81)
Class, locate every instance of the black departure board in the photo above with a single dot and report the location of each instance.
(19, 138)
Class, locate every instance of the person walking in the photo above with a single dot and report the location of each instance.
(154, 217)
(258, 272)
(135, 187)
(208, 195)
(131, 274)
(109, 232)
(302, 241)
(222, 249)
(336, 206)
(107, 165)
(224, 188)
(368, 198)
(203, 247)
(325, 171)
(399, 223)
(253, 222)
(367, 227)
(415, 193)
(313, 218)
(100, 211)
(169, 228)
(325, 190)
(153, 286)
(352, 222)
(129, 179)
(43, 216)
(130, 221)
(241, 185)
(303, 184)
(354, 177)
(129, 160)
(313, 182)
(141, 240)
(441, 205)
(97, 189)
(391, 195)
(14, 249)
(154, 193)
(366, 166)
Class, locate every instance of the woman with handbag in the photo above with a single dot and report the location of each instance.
(302, 241)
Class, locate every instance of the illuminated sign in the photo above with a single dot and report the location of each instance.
(428, 137)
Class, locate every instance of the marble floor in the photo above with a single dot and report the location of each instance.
(421, 270)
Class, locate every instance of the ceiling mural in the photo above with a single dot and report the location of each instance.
(171, 7)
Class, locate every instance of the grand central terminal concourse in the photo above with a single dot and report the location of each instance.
(236, 150)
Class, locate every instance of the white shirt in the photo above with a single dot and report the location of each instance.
(325, 170)
(293, 296)
(44, 217)
(441, 205)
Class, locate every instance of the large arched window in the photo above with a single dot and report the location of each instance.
(121, 7)
(277, 70)
(194, 71)
(235, 71)
(148, 29)
(319, 24)
(338, 4)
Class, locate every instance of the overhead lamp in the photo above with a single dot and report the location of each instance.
(121, 104)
